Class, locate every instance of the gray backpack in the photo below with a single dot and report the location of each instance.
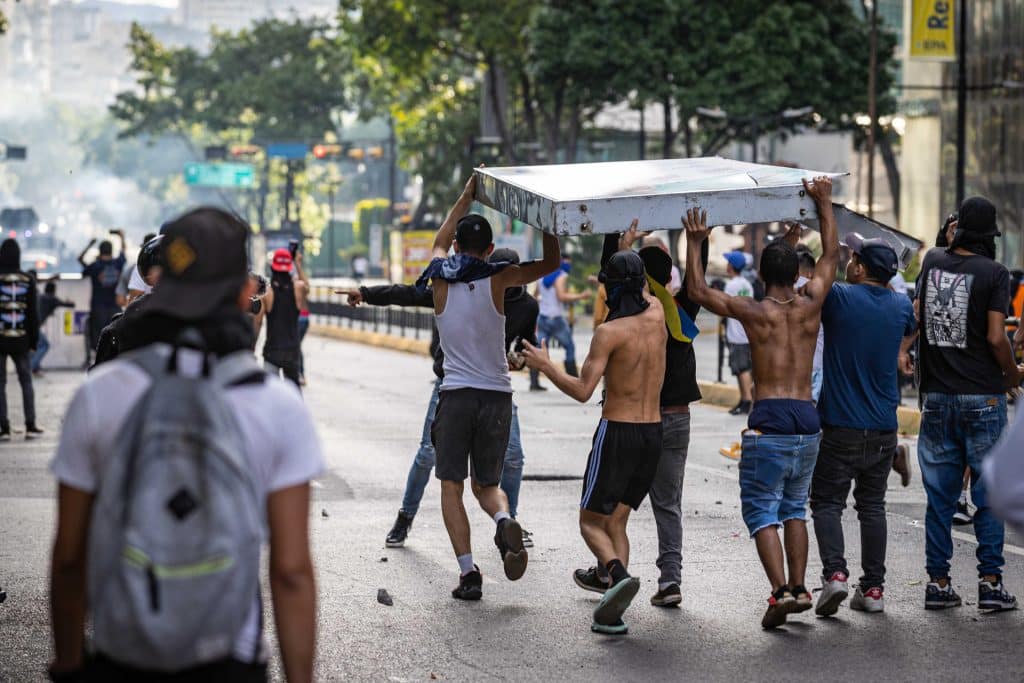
(177, 525)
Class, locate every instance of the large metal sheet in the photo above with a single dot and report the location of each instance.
(572, 199)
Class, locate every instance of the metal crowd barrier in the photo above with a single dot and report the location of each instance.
(328, 308)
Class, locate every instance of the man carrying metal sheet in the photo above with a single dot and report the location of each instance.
(780, 446)
(628, 352)
(474, 409)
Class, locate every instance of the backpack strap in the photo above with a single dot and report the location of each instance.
(237, 368)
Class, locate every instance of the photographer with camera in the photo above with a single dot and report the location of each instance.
(283, 301)
(257, 311)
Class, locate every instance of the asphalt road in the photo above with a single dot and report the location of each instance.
(369, 406)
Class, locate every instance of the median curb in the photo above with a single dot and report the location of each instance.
(387, 341)
(726, 396)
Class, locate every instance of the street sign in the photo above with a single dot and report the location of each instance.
(220, 175)
(287, 150)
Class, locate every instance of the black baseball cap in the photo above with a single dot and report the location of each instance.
(876, 254)
(204, 264)
(473, 232)
(978, 215)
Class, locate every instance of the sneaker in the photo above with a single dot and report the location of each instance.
(509, 539)
(937, 597)
(780, 603)
(538, 387)
(992, 596)
(616, 601)
(590, 580)
(33, 431)
(470, 586)
(619, 628)
(527, 539)
(5, 432)
(833, 591)
(400, 531)
(870, 600)
(963, 514)
(732, 451)
(802, 599)
(901, 464)
(669, 596)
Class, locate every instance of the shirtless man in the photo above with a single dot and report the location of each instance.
(628, 351)
(780, 445)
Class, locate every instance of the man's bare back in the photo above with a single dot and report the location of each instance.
(636, 365)
(783, 328)
(782, 340)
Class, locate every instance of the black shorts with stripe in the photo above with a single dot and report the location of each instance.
(622, 464)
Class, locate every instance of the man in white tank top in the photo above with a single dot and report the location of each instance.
(474, 411)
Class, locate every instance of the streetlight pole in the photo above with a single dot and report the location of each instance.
(872, 106)
(961, 100)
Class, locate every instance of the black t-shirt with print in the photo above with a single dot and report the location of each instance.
(956, 293)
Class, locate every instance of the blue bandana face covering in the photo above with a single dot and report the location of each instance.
(459, 268)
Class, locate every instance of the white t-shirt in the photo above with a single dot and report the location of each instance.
(281, 441)
(898, 284)
(734, 332)
(1004, 475)
(138, 283)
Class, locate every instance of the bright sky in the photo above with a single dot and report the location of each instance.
(161, 3)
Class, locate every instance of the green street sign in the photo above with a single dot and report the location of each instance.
(220, 175)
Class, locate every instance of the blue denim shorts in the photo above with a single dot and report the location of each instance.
(775, 477)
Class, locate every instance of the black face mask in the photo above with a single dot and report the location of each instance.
(976, 243)
(624, 278)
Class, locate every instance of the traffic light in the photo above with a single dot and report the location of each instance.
(13, 152)
(244, 151)
(328, 151)
(216, 152)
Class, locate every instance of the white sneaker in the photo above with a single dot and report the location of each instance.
(870, 601)
(833, 592)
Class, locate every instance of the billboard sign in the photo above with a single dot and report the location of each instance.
(932, 30)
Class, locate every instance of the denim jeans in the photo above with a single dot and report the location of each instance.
(28, 396)
(775, 475)
(958, 431)
(423, 462)
(666, 495)
(41, 349)
(557, 328)
(864, 458)
(303, 329)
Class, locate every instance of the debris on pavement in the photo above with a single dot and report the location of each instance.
(384, 598)
(323, 513)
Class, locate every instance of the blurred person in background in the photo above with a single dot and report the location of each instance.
(553, 322)
(283, 301)
(48, 303)
(104, 274)
(736, 336)
(125, 292)
(19, 335)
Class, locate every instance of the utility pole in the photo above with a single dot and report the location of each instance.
(961, 100)
(392, 171)
(872, 106)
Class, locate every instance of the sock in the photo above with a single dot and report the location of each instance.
(500, 515)
(465, 564)
(617, 571)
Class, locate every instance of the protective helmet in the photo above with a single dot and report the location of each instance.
(150, 255)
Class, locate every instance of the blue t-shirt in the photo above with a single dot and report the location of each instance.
(104, 276)
(864, 326)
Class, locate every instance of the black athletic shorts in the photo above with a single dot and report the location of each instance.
(622, 465)
(470, 434)
(739, 359)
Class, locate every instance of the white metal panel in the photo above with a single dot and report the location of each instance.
(569, 199)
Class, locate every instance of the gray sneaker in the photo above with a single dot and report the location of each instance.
(870, 600)
(833, 591)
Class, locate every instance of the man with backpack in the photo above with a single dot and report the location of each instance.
(170, 476)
